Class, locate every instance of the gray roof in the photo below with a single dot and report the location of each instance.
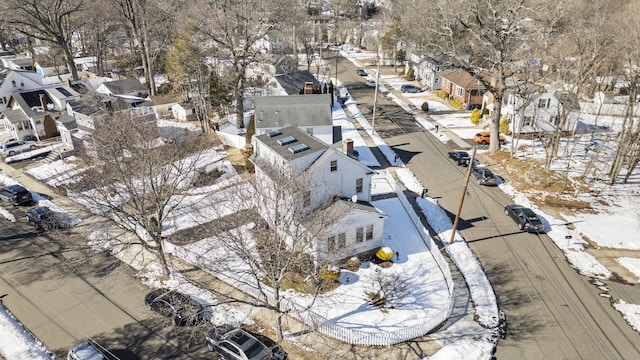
(294, 82)
(15, 116)
(341, 207)
(68, 121)
(301, 138)
(299, 110)
(125, 86)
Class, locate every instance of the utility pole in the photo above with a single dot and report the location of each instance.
(375, 95)
(464, 192)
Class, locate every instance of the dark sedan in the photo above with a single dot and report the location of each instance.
(461, 158)
(526, 219)
(16, 195)
(362, 72)
(181, 309)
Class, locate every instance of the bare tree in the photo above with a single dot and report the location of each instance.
(273, 246)
(137, 179)
(233, 28)
(52, 21)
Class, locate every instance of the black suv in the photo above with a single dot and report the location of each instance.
(16, 195)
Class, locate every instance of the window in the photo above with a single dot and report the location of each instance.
(13, 82)
(342, 240)
(528, 121)
(359, 185)
(331, 243)
(459, 91)
(556, 119)
(334, 165)
(369, 234)
(543, 103)
(359, 234)
(307, 198)
(437, 80)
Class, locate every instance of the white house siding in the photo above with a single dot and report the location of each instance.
(340, 182)
(348, 225)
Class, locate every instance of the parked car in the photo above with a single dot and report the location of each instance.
(85, 351)
(14, 147)
(484, 138)
(484, 176)
(180, 308)
(461, 158)
(16, 195)
(371, 83)
(45, 219)
(408, 88)
(362, 72)
(239, 344)
(526, 219)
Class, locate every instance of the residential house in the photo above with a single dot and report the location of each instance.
(538, 113)
(463, 88)
(291, 83)
(18, 62)
(34, 112)
(311, 113)
(12, 80)
(430, 70)
(335, 184)
(123, 88)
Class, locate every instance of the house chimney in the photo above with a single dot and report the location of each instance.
(308, 88)
(43, 103)
(347, 146)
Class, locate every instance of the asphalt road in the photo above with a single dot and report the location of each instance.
(65, 294)
(552, 311)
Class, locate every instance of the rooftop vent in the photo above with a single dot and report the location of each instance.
(298, 148)
(287, 140)
(274, 133)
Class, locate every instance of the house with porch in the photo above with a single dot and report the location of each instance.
(34, 112)
(310, 112)
(335, 186)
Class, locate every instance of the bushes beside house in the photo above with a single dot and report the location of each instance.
(441, 94)
(476, 116)
(456, 104)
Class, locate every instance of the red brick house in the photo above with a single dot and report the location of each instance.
(463, 87)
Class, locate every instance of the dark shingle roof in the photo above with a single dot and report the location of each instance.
(294, 82)
(125, 86)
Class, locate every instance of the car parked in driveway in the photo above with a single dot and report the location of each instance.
(45, 219)
(484, 138)
(526, 219)
(180, 308)
(484, 176)
(239, 344)
(15, 147)
(85, 351)
(16, 195)
(408, 88)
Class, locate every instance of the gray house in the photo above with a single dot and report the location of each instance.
(310, 113)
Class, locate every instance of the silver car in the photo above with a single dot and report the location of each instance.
(85, 351)
(15, 147)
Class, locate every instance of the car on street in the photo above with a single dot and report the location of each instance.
(180, 308)
(362, 72)
(45, 219)
(484, 138)
(408, 88)
(484, 176)
(85, 351)
(16, 195)
(371, 83)
(461, 158)
(526, 218)
(239, 344)
(15, 147)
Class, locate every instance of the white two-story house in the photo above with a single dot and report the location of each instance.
(536, 113)
(335, 186)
